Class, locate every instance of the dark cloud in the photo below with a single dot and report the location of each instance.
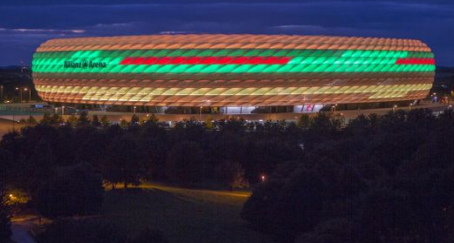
(29, 23)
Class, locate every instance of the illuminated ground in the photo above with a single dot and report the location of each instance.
(8, 125)
(184, 215)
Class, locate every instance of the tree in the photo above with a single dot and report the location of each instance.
(39, 167)
(184, 163)
(5, 222)
(135, 120)
(46, 119)
(72, 120)
(209, 123)
(351, 183)
(83, 119)
(124, 162)
(56, 120)
(95, 121)
(391, 216)
(324, 123)
(77, 191)
(90, 145)
(124, 123)
(31, 120)
(105, 121)
(231, 174)
(152, 119)
(304, 121)
(156, 149)
(233, 125)
(12, 142)
(287, 208)
(7, 166)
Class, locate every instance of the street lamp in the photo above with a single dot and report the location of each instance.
(394, 108)
(29, 93)
(200, 115)
(334, 108)
(20, 93)
(135, 107)
(262, 178)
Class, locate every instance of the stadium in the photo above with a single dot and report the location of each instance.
(231, 71)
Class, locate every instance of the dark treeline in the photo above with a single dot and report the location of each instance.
(227, 153)
(377, 179)
(387, 179)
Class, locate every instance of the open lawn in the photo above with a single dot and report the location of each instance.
(184, 215)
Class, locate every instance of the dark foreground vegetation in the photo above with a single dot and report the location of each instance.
(380, 180)
(377, 179)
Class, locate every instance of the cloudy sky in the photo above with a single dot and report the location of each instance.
(25, 24)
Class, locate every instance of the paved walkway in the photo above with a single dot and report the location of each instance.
(20, 234)
(6, 123)
(21, 228)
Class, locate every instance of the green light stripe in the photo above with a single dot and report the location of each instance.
(329, 61)
(246, 69)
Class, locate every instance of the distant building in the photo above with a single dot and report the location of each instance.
(232, 71)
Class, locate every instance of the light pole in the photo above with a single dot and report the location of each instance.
(334, 108)
(200, 115)
(29, 93)
(135, 107)
(20, 93)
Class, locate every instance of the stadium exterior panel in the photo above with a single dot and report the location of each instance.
(232, 70)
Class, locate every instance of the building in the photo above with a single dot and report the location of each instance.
(232, 71)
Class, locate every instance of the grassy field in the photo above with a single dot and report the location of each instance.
(184, 215)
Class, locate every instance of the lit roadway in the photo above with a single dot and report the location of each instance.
(350, 114)
(7, 124)
(187, 191)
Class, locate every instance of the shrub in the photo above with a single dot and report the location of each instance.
(76, 192)
(81, 231)
(5, 223)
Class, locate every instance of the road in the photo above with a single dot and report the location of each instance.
(348, 114)
(21, 228)
(6, 123)
(202, 192)
(20, 234)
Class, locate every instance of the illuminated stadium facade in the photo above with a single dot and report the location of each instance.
(232, 70)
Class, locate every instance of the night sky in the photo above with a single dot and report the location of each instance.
(25, 24)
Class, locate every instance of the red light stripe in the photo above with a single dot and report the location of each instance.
(204, 60)
(126, 61)
(192, 60)
(150, 60)
(416, 61)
